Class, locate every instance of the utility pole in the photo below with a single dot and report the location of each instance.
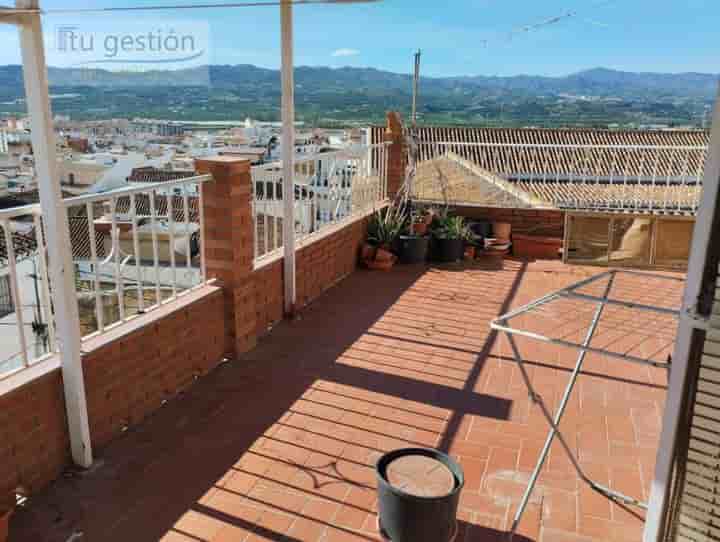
(416, 84)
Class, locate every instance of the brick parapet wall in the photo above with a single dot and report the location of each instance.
(319, 266)
(547, 221)
(34, 441)
(129, 373)
(129, 378)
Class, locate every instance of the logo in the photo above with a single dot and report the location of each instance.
(137, 46)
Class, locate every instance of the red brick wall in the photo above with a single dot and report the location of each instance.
(319, 266)
(34, 444)
(126, 379)
(549, 222)
(129, 378)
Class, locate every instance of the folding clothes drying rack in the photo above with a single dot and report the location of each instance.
(501, 324)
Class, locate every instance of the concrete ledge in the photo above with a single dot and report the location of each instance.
(51, 362)
(137, 322)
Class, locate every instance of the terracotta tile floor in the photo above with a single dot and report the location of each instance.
(280, 445)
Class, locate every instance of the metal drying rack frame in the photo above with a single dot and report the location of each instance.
(501, 324)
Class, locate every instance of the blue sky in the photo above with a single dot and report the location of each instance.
(458, 37)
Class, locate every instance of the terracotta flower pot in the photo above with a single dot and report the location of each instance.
(384, 255)
(502, 230)
(420, 228)
(367, 252)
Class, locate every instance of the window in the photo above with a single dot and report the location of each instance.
(628, 240)
(588, 239)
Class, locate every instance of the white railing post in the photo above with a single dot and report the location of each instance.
(288, 154)
(61, 270)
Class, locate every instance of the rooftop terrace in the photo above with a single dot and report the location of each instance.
(280, 443)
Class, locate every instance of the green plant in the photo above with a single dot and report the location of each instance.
(451, 227)
(386, 225)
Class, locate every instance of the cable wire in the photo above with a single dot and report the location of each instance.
(225, 5)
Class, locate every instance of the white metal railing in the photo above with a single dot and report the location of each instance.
(329, 187)
(27, 329)
(631, 178)
(135, 248)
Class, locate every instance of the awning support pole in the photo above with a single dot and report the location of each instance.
(61, 270)
(288, 155)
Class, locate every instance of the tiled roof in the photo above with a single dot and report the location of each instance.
(154, 175)
(459, 181)
(667, 198)
(464, 182)
(490, 148)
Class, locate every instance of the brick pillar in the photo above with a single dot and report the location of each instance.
(228, 243)
(397, 157)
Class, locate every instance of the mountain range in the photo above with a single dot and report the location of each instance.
(595, 82)
(359, 93)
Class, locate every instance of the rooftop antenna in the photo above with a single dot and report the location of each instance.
(416, 83)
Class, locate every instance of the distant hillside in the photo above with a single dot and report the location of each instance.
(595, 82)
(597, 96)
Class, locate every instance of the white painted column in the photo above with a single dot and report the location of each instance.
(288, 154)
(677, 388)
(61, 269)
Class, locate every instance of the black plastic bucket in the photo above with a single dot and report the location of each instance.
(413, 249)
(481, 228)
(410, 517)
(448, 250)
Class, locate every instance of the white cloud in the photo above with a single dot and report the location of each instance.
(346, 52)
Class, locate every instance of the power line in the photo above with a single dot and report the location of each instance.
(550, 21)
(226, 5)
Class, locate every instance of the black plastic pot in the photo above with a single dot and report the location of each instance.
(448, 250)
(413, 249)
(405, 517)
(481, 228)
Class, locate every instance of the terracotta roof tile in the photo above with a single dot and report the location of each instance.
(552, 162)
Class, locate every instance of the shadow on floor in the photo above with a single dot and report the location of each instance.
(153, 474)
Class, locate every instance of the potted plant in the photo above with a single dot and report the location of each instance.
(421, 219)
(418, 225)
(383, 231)
(413, 247)
(449, 237)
